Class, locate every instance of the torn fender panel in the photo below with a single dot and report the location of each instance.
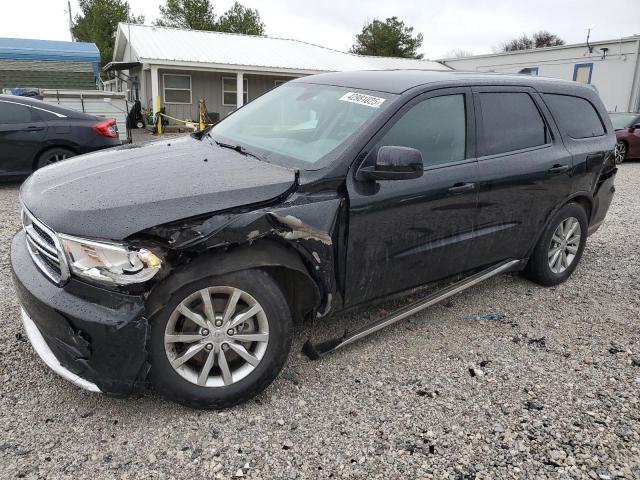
(298, 230)
(214, 262)
(305, 223)
(95, 333)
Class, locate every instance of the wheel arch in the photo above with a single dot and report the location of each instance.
(584, 199)
(44, 149)
(284, 265)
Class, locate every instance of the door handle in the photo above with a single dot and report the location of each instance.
(558, 169)
(462, 188)
(33, 128)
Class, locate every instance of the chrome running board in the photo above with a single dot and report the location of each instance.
(319, 350)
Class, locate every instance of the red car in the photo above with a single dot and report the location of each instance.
(627, 127)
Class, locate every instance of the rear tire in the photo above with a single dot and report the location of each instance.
(53, 155)
(560, 247)
(232, 363)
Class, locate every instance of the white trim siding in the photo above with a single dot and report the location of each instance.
(612, 66)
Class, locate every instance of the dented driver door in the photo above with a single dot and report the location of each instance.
(404, 233)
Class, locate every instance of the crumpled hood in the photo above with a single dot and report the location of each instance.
(117, 192)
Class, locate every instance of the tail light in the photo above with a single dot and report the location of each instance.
(108, 128)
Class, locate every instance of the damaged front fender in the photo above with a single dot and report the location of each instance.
(309, 225)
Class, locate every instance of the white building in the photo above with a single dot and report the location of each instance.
(612, 66)
(227, 70)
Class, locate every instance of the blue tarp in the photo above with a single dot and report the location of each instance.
(50, 50)
(25, 92)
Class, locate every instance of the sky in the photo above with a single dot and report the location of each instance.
(473, 25)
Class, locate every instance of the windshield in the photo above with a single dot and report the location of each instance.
(301, 125)
(621, 120)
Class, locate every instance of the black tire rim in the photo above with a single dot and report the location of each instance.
(55, 157)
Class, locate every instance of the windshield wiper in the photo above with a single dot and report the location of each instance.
(238, 148)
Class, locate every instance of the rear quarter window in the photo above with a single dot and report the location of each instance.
(575, 115)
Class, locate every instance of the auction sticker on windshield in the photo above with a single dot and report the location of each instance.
(362, 99)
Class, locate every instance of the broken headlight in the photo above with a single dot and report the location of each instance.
(109, 263)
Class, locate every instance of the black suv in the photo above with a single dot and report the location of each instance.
(184, 262)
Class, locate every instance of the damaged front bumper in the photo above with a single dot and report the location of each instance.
(48, 357)
(93, 337)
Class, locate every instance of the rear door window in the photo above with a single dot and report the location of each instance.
(576, 116)
(436, 127)
(510, 121)
(11, 113)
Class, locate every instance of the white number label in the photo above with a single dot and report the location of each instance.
(362, 99)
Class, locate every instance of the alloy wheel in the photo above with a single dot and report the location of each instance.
(620, 152)
(56, 157)
(564, 245)
(216, 336)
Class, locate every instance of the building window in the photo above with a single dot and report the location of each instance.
(530, 71)
(229, 91)
(582, 72)
(177, 88)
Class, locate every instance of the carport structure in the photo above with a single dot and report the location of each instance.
(48, 64)
(227, 70)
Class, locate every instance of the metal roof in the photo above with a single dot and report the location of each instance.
(29, 49)
(195, 48)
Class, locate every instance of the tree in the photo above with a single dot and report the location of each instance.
(544, 38)
(199, 15)
(520, 43)
(458, 53)
(240, 19)
(390, 38)
(98, 23)
(540, 39)
(194, 14)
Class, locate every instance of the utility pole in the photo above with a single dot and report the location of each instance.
(70, 21)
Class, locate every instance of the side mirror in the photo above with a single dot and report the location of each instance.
(394, 163)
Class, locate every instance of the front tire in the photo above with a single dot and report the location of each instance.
(221, 340)
(620, 152)
(560, 247)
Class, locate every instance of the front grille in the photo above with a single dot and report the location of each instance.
(45, 249)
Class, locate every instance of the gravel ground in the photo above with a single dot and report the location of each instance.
(550, 390)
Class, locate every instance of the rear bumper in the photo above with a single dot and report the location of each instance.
(95, 338)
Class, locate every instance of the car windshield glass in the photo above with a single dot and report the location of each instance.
(301, 125)
(621, 120)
